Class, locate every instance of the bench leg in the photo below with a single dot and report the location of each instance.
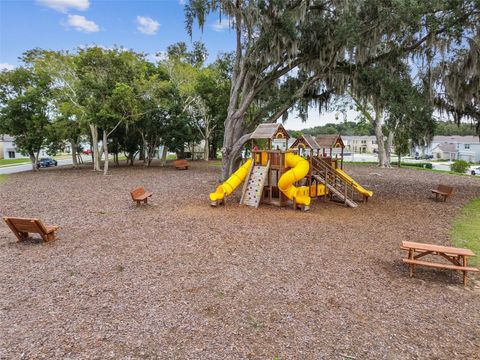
(465, 272)
(50, 237)
(444, 198)
(412, 267)
(22, 235)
(436, 197)
(145, 201)
(138, 204)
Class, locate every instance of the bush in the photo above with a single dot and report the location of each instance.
(460, 166)
(420, 165)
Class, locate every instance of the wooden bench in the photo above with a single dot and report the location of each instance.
(456, 256)
(21, 227)
(181, 164)
(442, 190)
(139, 194)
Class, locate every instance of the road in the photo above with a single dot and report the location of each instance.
(28, 167)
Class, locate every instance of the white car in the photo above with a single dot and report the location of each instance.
(475, 170)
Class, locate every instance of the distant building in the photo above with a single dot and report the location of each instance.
(8, 149)
(360, 144)
(452, 148)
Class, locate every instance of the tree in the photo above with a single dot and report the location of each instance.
(327, 43)
(25, 94)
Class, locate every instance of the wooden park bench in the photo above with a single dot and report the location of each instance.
(456, 256)
(139, 194)
(442, 190)
(181, 164)
(21, 227)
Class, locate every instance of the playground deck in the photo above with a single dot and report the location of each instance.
(180, 279)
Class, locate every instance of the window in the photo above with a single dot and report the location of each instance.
(364, 141)
(11, 154)
(467, 146)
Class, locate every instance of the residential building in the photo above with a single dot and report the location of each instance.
(8, 149)
(360, 144)
(452, 148)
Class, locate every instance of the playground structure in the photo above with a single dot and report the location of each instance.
(284, 175)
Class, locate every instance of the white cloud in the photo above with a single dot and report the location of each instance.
(147, 25)
(80, 23)
(64, 5)
(6, 66)
(222, 25)
(182, 2)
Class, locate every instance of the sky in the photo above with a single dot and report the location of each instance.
(147, 26)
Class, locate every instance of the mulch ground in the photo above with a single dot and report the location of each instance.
(182, 280)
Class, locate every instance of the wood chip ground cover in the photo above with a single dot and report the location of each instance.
(179, 279)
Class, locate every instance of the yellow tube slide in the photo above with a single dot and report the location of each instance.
(356, 185)
(232, 182)
(299, 169)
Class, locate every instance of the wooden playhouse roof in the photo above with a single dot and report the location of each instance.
(270, 131)
(329, 141)
(307, 140)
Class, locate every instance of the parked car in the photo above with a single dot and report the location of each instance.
(87, 151)
(475, 171)
(424, 157)
(46, 162)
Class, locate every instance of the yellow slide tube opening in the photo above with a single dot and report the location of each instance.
(299, 169)
(232, 182)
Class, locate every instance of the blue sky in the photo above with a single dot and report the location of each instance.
(147, 26)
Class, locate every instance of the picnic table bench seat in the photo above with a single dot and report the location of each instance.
(21, 227)
(139, 194)
(456, 256)
(442, 190)
(181, 164)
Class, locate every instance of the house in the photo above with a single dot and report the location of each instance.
(445, 151)
(8, 149)
(360, 144)
(460, 147)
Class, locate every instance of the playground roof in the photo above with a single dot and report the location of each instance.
(307, 140)
(329, 141)
(270, 131)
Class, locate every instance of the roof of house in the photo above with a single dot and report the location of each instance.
(448, 148)
(307, 140)
(6, 138)
(270, 131)
(455, 139)
(329, 141)
(359, 137)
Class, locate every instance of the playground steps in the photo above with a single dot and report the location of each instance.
(252, 193)
(336, 192)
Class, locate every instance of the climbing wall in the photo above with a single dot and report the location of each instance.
(254, 188)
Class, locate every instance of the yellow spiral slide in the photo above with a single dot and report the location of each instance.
(232, 182)
(298, 170)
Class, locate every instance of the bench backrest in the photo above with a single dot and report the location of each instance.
(445, 189)
(181, 162)
(138, 191)
(26, 225)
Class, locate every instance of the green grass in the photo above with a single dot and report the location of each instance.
(3, 178)
(13, 161)
(466, 229)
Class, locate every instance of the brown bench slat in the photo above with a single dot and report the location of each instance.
(181, 164)
(437, 248)
(21, 227)
(439, 266)
(139, 194)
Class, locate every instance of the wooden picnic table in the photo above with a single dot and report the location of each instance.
(458, 257)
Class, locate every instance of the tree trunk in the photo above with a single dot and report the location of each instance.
(382, 156)
(105, 152)
(73, 144)
(388, 150)
(206, 150)
(163, 160)
(33, 159)
(96, 157)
